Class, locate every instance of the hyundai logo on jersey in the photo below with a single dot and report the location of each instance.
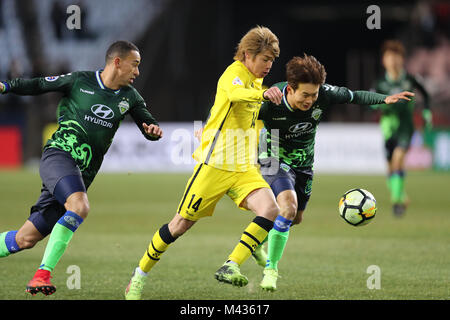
(102, 111)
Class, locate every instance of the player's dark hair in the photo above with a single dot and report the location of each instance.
(306, 69)
(120, 48)
(394, 46)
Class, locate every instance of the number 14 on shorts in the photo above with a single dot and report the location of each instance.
(195, 205)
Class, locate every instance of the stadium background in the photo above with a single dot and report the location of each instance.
(185, 46)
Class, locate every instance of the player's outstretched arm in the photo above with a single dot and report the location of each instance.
(35, 86)
(405, 95)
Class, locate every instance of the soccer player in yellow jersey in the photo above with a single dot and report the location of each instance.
(227, 160)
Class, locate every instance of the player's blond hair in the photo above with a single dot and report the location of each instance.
(257, 40)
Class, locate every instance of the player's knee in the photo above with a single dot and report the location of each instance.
(83, 209)
(78, 205)
(26, 241)
(270, 212)
(289, 211)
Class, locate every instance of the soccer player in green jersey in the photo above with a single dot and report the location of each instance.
(92, 107)
(288, 166)
(396, 120)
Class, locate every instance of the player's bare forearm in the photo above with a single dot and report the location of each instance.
(405, 95)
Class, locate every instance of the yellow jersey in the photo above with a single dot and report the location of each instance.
(229, 138)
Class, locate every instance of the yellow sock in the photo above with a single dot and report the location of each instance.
(160, 242)
(252, 237)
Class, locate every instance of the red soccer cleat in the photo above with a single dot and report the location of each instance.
(41, 283)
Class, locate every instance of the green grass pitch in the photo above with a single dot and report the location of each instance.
(325, 258)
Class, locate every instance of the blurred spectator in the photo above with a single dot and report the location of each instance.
(1, 16)
(84, 32)
(58, 17)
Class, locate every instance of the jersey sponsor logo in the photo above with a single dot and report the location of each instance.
(123, 106)
(86, 91)
(98, 121)
(237, 81)
(102, 111)
(300, 127)
(51, 78)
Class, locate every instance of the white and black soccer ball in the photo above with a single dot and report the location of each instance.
(357, 207)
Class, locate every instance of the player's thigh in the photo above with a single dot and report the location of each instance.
(303, 190)
(398, 157)
(60, 174)
(252, 192)
(204, 189)
(400, 150)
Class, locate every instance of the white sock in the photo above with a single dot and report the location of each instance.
(142, 273)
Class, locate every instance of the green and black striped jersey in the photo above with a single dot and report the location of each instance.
(293, 132)
(89, 114)
(397, 118)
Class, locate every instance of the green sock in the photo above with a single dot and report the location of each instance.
(277, 243)
(60, 237)
(397, 185)
(4, 252)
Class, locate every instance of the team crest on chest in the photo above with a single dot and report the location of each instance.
(123, 106)
(316, 114)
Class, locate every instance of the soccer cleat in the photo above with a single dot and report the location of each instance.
(134, 289)
(230, 273)
(399, 209)
(269, 281)
(41, 283)
(260, 256)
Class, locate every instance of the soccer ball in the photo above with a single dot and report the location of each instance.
(357, 207)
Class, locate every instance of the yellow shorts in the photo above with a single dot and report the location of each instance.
(208, 185)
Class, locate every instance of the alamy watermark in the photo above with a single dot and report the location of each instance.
(227, 148)
(374, 20)
(74, 20)
(374, 280)
(74, 279)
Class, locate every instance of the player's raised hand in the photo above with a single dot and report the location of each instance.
(395, 97)
(273, 94)
(198, 134)
(152, 130)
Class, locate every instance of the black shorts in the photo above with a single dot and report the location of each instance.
(287, 178)
(402, 141)
(60, 178)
